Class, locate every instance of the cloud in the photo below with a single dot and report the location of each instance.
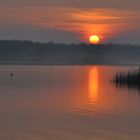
(104, 22)
(131, 36)
(27, 32)
(115, 4)
(103, 17)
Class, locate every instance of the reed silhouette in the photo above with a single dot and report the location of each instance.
(130, 79)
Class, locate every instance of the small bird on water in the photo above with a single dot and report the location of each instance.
(11, 74)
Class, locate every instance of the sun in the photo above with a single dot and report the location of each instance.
(94, 39)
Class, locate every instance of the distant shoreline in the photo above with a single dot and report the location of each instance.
(30, 53)
(69, 64)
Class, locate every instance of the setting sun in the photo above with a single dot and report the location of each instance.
(94, 39)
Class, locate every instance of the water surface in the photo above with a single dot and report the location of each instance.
(66, 103)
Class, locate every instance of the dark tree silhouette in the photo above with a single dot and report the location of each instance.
(28, 52)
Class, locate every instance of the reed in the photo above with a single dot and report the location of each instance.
(130, 79)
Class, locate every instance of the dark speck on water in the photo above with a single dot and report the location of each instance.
(11, 74)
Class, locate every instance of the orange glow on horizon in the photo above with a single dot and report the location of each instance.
(103, 22)
(93, 84)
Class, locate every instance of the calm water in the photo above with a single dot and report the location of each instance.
(66, 103)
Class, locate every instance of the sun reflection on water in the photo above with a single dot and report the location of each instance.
(93, 84)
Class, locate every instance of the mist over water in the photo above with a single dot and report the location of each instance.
(66, 102)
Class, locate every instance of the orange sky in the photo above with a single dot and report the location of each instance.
(105, 22)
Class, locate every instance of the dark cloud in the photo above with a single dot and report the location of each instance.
(26, 32)
(118, 4)
(131, 36)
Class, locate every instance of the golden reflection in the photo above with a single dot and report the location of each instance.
(93, 84)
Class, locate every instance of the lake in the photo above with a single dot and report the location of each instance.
(67, 103)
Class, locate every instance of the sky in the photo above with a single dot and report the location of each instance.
(70, 21)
